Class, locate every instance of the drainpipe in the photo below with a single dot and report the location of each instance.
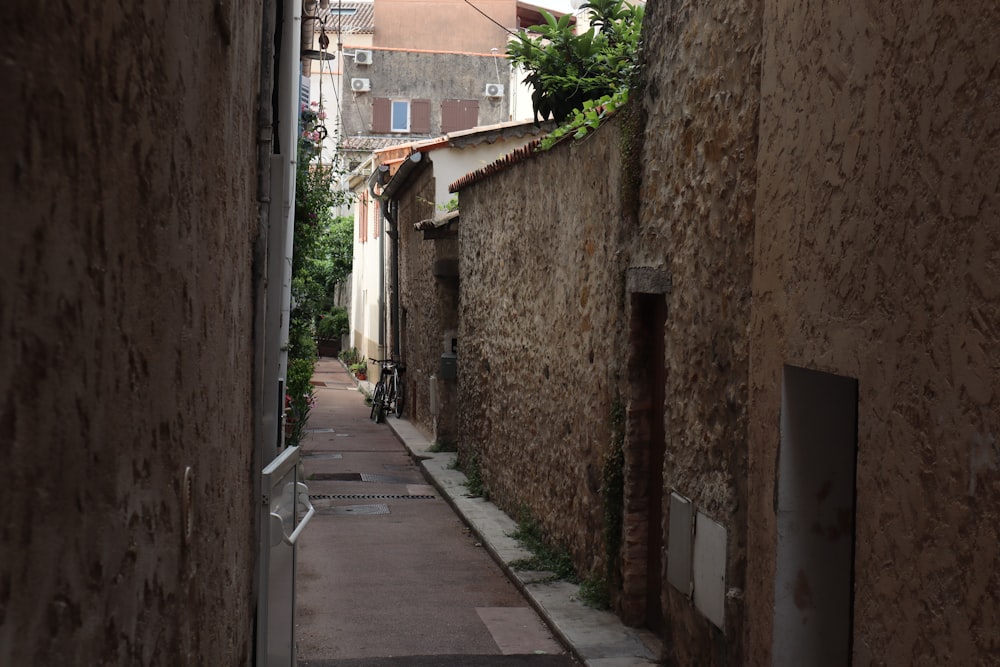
(390, 211)
(263, 384)
(380, 174)
(393, 232)
(288, 128)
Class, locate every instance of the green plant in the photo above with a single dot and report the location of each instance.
(332, 325)
(585, 119)
(443, 445)
(299, 398)
(544, 555)
(349, 356)
(359, 367)
(474, 477)
(450, 205)
(565, 70)
(594, 592)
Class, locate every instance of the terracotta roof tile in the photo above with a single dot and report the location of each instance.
(516, 156)
(361, 21)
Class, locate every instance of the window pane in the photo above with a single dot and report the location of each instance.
(400, 116)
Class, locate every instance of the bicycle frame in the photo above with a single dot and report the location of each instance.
(388, 393)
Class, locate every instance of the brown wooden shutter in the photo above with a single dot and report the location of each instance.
(470, 114)
(420, 116)
(459, 115)
(381, 115)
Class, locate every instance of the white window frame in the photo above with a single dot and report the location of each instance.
(394, 115)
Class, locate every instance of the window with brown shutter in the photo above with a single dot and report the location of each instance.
(381, 115)
(420, 116)
(459, 115)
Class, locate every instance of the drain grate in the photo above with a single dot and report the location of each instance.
(336, 476)
(358, 509)
(384, 479)
(358, 496)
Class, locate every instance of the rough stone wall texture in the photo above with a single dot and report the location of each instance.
(697, 224)
(878, 258)
(430, 303)
(541, 335)
(128, 194)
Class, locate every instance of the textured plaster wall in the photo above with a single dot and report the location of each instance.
(444, 25)
(541, 335)
(128, 194)
(878, 258)
(697, 224)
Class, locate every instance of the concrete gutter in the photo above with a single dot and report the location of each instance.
(595, 638)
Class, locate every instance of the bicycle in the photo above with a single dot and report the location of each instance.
(389, 390)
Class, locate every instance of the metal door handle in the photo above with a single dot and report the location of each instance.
(303, 497)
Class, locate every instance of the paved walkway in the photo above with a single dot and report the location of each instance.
(397, 571)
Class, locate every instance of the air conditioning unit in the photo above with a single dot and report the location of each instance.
(362, 57)
(361, 85)
(494, 90)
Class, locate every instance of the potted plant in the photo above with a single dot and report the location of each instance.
(360, 369)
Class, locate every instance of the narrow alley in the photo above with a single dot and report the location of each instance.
(387, 573)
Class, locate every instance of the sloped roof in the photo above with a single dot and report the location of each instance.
(349, 17)
(525, 152)
(371, 144)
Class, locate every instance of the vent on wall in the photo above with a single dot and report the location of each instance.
(361, 85)
(362, 57)
(494, 90)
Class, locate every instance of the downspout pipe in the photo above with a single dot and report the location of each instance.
(263, 410)
(378, 178)
(390, 211)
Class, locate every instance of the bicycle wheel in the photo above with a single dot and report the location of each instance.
(377, 400)
(379, 410)
(399, 394)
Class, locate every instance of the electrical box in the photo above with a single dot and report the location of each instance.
(449, 366)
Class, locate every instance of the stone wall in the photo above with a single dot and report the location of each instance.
(429, 301)
(129, 197)
(701, 98)
(878, 258)
(541, 335)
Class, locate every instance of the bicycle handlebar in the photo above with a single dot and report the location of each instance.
(387, 362)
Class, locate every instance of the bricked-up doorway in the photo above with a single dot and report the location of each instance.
(814, 576)
(642, 602)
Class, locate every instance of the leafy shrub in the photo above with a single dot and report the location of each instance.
(332, 325)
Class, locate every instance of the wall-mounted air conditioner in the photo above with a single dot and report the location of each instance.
(494, 90)
(362, 57)
(361, 85)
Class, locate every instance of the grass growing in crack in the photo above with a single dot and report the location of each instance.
(594, 593)
(543, 555)
(474, 477)
(443, 445)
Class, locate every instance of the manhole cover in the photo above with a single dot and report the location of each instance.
(358, 509)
